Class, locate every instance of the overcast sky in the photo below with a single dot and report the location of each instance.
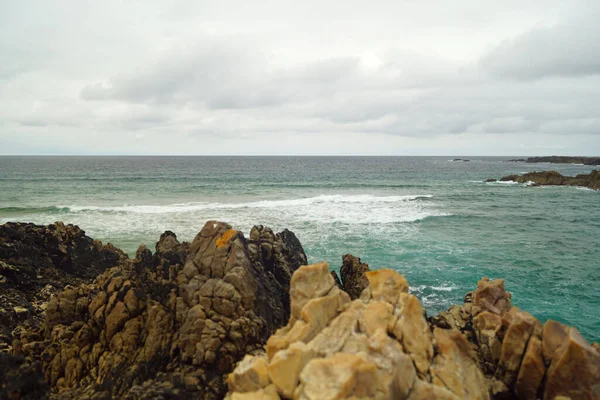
(400, 77)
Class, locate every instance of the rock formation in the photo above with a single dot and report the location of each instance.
(563, 160)
(169, 324)
(39, 261)
(520, 356)
(176, 323)
(381, 346)
(553, 178)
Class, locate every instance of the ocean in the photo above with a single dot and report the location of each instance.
(430, 218)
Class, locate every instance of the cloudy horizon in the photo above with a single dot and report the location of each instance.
(300, 78)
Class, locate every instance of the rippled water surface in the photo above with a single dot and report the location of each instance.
(430, 218)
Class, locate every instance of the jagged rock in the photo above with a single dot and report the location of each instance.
(37, 262)
(379, 346)
(175, 323)
(490, 296)
(574, 370)
(522, 359)
(353, 276)
(170, 324)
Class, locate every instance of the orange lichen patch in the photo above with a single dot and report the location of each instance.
(226, 237)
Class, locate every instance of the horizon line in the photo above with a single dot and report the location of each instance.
(284, 155)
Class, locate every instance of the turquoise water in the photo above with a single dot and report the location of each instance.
(431, 219)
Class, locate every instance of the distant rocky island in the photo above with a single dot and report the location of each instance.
(553, 178)
(560, 160)
(227, 316)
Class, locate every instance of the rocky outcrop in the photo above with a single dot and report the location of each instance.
(518, 354)
(169, 324)
(353, 276)
(176, 323)
(564, 160)
(39, 261)
(379, 346)
(553, 178)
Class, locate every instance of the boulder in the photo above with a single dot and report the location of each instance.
(353, 276)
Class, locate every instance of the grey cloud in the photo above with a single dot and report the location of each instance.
(217, 78)
(569, 48)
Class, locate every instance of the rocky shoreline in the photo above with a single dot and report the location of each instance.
(560, 160)
(553, 178)
(246, 318)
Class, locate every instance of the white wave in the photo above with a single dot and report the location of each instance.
(309, 201)
(440, 288)
(503, 183)
(314, 219)
(586, 189)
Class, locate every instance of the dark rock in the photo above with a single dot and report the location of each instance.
(553, 178)
(509, 178)
(172, 324)
(336, 279)
(20, 379)
(491, 180)
(37, 262)
(353, 276)
(565, 160)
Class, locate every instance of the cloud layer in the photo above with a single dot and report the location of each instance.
(281, 78)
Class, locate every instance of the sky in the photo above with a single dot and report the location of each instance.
(400, 77)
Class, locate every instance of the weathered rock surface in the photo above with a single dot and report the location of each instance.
(39, 261)
(353, 276)
(377, 347)
(519, 356)
(172, 324)
(553, 178)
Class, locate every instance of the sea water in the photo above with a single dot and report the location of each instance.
(430, 218)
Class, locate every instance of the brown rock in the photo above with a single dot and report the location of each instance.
(454, 368)
(574, 370)
(353, 275)
(491, 296)
(531, 372)
(338, 377)
(514, 345)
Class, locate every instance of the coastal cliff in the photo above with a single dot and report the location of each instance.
(246, 318)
